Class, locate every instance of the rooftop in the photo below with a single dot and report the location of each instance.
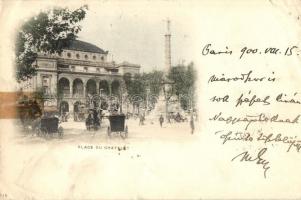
(127, 64)
(79, 45)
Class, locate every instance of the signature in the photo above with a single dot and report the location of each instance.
(245, 156)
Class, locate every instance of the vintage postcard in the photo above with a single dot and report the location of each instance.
(150, 99)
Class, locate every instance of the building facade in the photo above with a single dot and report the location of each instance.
(79, 72)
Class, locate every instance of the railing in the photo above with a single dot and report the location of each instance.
(68, 95)
(78, 95)
(65, 95)
(83, 62)
(88, 71)
(64, 69)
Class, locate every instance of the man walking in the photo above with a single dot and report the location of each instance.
(161, 120)
(141, 120)
(191, 124)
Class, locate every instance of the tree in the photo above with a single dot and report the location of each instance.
(50, 32)
(182, 84)
(155, 82)
(137, 86)
(127, 80)
(183, 77)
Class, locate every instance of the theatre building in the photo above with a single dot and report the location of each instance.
(80, 71)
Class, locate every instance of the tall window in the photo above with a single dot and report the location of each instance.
(46, 84)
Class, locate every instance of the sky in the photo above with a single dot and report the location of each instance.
(136, 33)
(133, 30)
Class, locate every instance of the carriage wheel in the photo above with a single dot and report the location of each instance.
(38, 132)
(125, 133)
(109, 131)
(44, 133)
(60, 132)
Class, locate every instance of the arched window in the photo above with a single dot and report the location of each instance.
(78, 87)
(64, 107)
(69, 55)
(77, 56)
(86, 57)
(115, 88)
(104, 87)
(102, 58)
(91, 87)
(94, 57)
(64, 87)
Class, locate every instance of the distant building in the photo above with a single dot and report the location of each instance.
(79, 71)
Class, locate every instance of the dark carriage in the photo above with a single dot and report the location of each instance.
(179, 118)
(93, 120)
(28, 112)
(117, 125)
(48, 126)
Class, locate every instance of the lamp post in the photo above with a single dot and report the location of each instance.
(121, 98)
(100, 93)
(147, 98)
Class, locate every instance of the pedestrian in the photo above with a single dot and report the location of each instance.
(141, 120)
(161, 120)
(191, 124)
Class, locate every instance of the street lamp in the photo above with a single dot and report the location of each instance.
(147, 97)
(100, 93)
(121, 99)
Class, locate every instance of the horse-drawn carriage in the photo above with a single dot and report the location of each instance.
(42, 123)
(48, 126)
(28, 111)
(177, 117)
(117, 125)
(93, 120)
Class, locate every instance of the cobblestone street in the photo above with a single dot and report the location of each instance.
(82, 157)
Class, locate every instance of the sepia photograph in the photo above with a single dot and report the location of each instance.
(111, 99)
(72, 88)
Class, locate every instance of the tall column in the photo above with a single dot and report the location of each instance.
(110, 88)
(85, 85)
(97, 87)
(71, 106)
(122, 98)
(167, 48)
(71, 88)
